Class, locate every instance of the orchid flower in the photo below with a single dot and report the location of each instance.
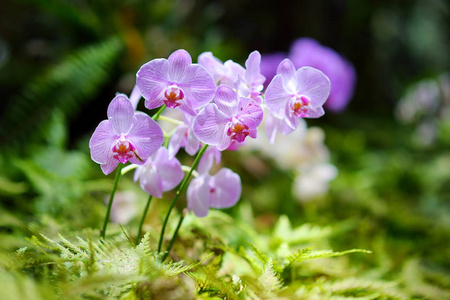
(175, 82)
(160, 173)
(229, 118)
(297, 94)
(223, 73)
(250, 84)
(126, 136)
(342, 74)
(221, 190)
(184, 137)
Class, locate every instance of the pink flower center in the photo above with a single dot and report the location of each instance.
(123, 150)
(173, 95)
(238, 131)
(299, 106)
(255, 94)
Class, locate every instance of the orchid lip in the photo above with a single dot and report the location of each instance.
(300, 105)
(123, 150)
(238, 131)
(173, 96)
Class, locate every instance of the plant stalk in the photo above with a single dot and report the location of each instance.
(180, 221)
(111, 198)
(177, 195)
(143, 219)
(156, 115)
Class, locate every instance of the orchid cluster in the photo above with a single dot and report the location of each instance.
(222, 105)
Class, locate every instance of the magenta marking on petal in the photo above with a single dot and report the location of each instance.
(299, 106)
(173, 96)
(238, 131)
(255, 94)
(124, 150)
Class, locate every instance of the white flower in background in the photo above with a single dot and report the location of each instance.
(124, 207)
(313, 180)
(303, 151)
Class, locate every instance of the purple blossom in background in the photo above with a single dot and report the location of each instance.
(160, 173)
(297, 94)
(184, 137)
(229, 118)
(126, 136)
(176, 82)
(269, 65)
(221, 190)
(309, 52)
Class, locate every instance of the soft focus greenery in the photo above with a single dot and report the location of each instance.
(381, 232)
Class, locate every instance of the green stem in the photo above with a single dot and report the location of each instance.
(156, 115)
(111, 198)
(180, 189)
(143, 219)
(180, 221)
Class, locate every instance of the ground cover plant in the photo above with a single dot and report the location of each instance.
(189, 150)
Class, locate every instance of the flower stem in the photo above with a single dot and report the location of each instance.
(143, 219)
(180, 221)
(177, 195)
(156, 115)
(111, 198)
(173, 121)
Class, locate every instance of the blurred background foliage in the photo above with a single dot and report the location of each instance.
(61, 62)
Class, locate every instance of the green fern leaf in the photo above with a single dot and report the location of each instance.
(66, 86)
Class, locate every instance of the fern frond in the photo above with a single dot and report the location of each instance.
(307, 232)
(66, 86)
(269, 279)
(308, 253)
(364, 289)
(176, 268)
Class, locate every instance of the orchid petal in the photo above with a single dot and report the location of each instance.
(313, 84)
(198, 86)
(198, 196)
(146, 135)
(233, 70)
(252, 74)
(212, 65)
(227, 100)
(277, 97)
(135, 96)
(150, 181)
(109, 166)
(101, 142)
(250, 112)
(225, 143)
(287, 71)
(226, 187)
(120, 113)
(192, 143)
(169, 169)
(179, 62)
(315, 112)
(209, 125)
(177, 139)
(151, 79)
(211, 155)
(290, 119)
